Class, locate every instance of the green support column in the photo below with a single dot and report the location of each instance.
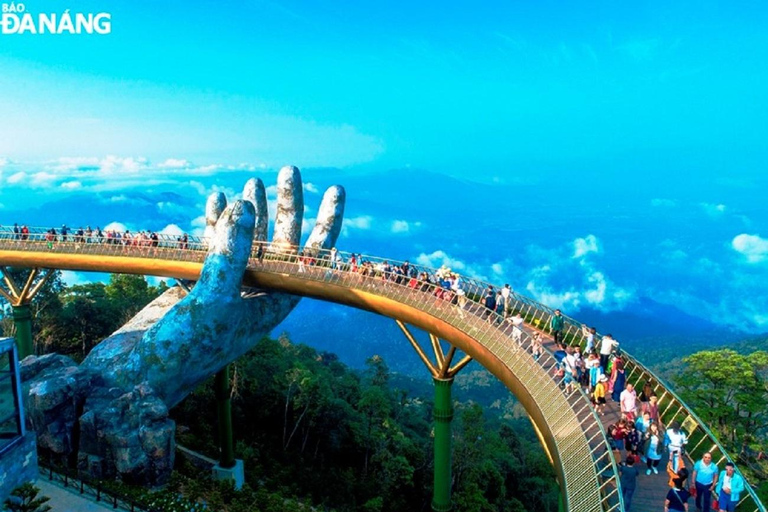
(22, 318)
(443, 413)
(224, 405)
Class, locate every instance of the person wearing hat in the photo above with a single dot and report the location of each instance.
(599, 394)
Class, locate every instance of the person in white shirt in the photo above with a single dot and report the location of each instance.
(628, 399)
(506, 292)
(606, 347)
(517, 328)
(569, 364)
(675, 439)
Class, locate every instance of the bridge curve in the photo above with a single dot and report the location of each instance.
(568, 427)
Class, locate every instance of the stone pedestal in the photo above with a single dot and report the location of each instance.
(18, 465)
(236, 474)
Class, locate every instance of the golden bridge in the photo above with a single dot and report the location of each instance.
(569, 429)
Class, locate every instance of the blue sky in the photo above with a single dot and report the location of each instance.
(616, 151)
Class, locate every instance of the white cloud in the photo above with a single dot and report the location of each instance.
(498, 269)
(439, 259)
(198, 186)
(677, 254)
(3, 162)
(17, 177)
(752, 246)
(307, 224)
(43, 179)
(311, 188)
(115, 226)
(172, 229)
(72, 278)
(713, 210)
(584, 246)
(170, 208)
(664, 203)
(400, 226)
(271, 191)
(71, 185)
(175, 163)
(361, 222)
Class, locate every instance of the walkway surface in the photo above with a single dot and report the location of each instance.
(651, 489)
(68, 499)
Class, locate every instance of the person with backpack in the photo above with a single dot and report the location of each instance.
(490, 305)
(677, 497)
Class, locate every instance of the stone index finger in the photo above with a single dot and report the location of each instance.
(214, 206)
(290, 209)
(255, 193)
(329, 219)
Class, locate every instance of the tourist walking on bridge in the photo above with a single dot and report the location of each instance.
(557, 324)
(654, 445)
(506, 292)
(675, 440)
(599, 394)
(677, 497)
(705, 479)
(628, 401)
(729, 488)
(628, 479)
(606, 347)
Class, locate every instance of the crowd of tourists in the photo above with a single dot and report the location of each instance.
(87, 235)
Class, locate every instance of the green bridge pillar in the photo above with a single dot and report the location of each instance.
(22, 318)
(224, 406)
(443, 413)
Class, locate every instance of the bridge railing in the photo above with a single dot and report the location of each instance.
(591, 468)
(493, 332)
(672, 408)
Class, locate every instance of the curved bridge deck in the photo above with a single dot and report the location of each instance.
(571, 432)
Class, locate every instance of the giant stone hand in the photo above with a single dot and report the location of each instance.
(214, 325)
(129, 381)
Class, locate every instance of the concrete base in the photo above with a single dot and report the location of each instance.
(18, 465)
(235, 473)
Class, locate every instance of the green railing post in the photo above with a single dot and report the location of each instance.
(224, 406)
(443, 413)
(22, 318)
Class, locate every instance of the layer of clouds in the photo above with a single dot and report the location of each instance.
(569, 278)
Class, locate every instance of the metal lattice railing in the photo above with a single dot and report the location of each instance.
(587, 464)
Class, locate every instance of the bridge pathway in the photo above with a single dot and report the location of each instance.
(651, 489)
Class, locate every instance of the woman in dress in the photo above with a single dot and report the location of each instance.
(654, 447)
